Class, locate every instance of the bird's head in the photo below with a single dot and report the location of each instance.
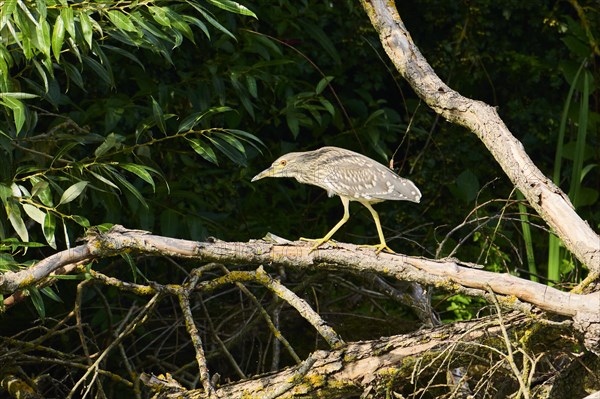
(288, 165)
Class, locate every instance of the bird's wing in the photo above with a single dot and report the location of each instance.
(370, 183)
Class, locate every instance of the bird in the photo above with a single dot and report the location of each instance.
(349, 175)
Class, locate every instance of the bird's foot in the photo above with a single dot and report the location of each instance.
(318, 242)
(379, 247)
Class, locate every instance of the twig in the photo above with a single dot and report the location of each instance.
(222, 345)
(523, 388)
(299, 374)
(139, 319)
(184, 302)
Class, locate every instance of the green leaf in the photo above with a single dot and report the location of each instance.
(213, 21)
(140, 171)
(233, 7)
(34, 213)
(104, 180)
(248, 106)
(86, 27)
(38, 302)
(242, 93)
(68, 19)
(19, 95)
(293, 122)
(586, 170)
(203, 150)
(179, 23)
(327, 105)
(588, 196)
(121, 20)
(230, 151)
(111, 141)
(58, 36)
(18, 109)
(125, 54)
(323, 83)
(198, 23)
(73, 73)
(24, 40)
(38, 187)
(160, 15)
(153, 36)
(42, 72)
(15, 190)
(41, 189)
(14, 215)
(49, 292)
(41, 8)
(8, 263)
(15, 244)
(49, 227)
(131, 188)
(72, 192)
(251, 83)
(248, 138)
(159, 117)
(8, 7)
(43, 37)
(80, 220)
(190, 121)
(99, 69)
(135, 271)
(232, 141)
(66, 233)
(6, 61)
(5, 193)
(69, 276)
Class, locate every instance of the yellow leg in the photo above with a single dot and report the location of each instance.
(382, 245)
(321, 241)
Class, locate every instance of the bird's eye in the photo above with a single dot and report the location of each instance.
(283, 162)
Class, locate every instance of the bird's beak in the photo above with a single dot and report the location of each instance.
(269, 172)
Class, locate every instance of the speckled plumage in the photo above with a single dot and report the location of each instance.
(352, 176)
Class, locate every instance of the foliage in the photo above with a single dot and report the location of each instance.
(106, 105)
(78, 131)
(156, 115)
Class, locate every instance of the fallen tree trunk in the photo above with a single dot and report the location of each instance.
(374, 365)
(426, 360)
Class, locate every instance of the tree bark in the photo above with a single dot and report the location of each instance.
(408, 362)
(446, 274)
(373, 366)
(546, 198)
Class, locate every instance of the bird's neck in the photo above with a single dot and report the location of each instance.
(305, 176)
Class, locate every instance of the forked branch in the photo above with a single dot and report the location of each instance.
(448, 274)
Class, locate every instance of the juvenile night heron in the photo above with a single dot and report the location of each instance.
(352, 176)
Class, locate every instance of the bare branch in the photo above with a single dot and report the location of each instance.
(483, 120)
(448, 274)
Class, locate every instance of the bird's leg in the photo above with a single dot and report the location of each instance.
(321, 241)
(382, 245)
